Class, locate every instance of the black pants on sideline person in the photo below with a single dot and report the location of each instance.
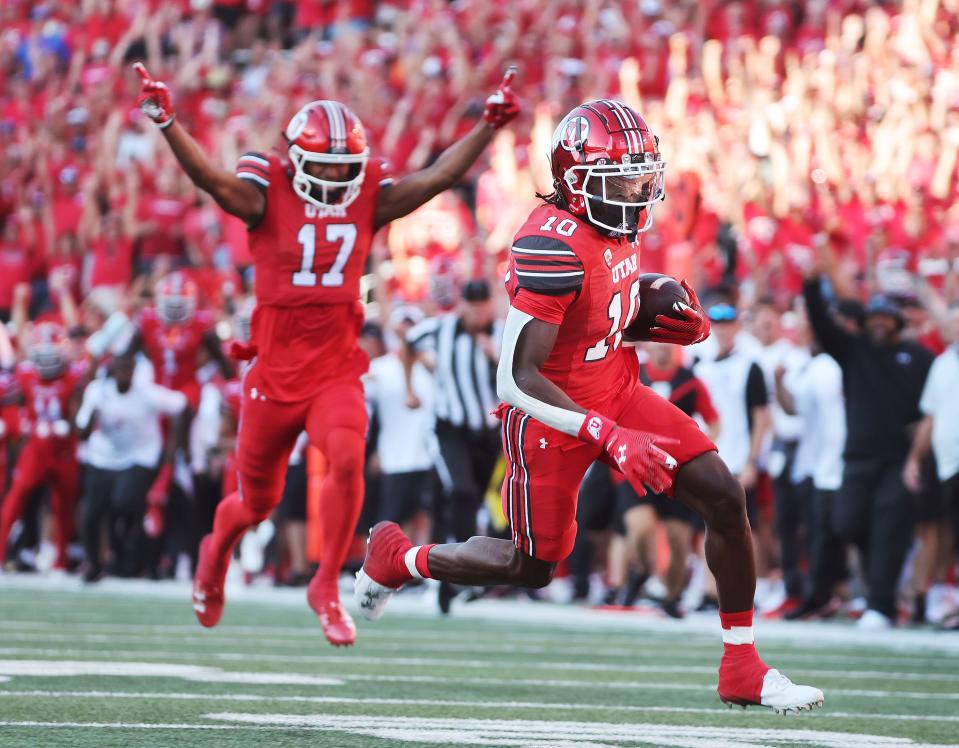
(874, 510)
(827, 552)
(792, 521)
(120, 496)
(468, 460)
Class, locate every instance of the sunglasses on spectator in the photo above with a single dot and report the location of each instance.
(722, 313)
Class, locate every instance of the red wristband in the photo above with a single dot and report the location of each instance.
(596, 428)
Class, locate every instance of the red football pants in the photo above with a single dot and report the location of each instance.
(44, 461)
(544, 467)
(335, 421)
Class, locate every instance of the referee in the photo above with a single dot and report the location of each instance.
(462, 350)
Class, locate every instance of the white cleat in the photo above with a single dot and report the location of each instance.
(370, 596)
(783, 696)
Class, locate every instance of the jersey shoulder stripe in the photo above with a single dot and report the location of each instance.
(254, 167)
(546, 265)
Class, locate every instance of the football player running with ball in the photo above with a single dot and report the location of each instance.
(312, 210)
(572, 395)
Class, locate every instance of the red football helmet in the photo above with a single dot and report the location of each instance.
(606, 164)
(329, 134)
(176, 298)
(47, 349)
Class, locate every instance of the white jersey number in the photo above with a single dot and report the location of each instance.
(345, 234)
(617, 323)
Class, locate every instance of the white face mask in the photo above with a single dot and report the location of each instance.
(326, 193)
(626, 193)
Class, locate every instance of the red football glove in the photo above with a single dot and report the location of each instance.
(502, 106)
(638, 455)
(155, 99)
(693, 328)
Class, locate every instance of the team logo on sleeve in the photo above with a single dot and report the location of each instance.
(574, 134)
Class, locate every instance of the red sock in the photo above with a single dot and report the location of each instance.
(742, 670)
(232, 519)
(341, 500)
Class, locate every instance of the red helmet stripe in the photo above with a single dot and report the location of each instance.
(337, 125)
(627, 122)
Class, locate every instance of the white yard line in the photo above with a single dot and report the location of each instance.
(464, 703)
(809, 635)
(638, 650)
(520, 733)
(484, 664)
(196, 673)
(566, 734)
(99, 668)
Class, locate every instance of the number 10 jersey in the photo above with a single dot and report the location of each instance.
(565, 272)
(308, 262)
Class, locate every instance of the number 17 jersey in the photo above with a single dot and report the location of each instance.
(308, 262)
(565, 272)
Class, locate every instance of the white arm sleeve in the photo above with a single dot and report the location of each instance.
(91, 399)
(166, 401)
(567, 421)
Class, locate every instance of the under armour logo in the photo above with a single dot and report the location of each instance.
(542, 442)
(622, 454)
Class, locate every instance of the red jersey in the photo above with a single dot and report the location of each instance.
(308, 262)
(682, 388)
(173, 349)
(232, 393)
(47, 401)
(563, 271)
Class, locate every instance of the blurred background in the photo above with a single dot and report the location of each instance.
(811, 149)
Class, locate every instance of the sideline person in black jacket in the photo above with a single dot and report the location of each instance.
(883, 377)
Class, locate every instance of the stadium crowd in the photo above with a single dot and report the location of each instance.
(811, 198)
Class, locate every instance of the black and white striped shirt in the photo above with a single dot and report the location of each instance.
(465, 377)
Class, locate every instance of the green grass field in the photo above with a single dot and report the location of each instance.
(117, 667)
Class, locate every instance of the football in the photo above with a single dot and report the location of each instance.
(657, 294)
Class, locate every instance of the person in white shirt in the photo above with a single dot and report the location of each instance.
(119, 419)
(939, 429)
(814, 394)
(406, 440)
(778, 457)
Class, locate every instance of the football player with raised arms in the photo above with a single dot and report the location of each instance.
(312, 209)
(572, 395)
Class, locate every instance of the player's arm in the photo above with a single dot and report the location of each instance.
(784, 395)
(757, 404)
(527, 343)
(833, 338)
(921, 444)
(238, 197)
(211, 343)
(85, 418)
(413, 190)
(706, 410)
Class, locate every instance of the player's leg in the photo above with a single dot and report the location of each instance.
(677, 519)
(336, 424)
(544, 470)
(637, 522)
(27, 475)
(704, 483)
(266, 435)
(64, 486)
